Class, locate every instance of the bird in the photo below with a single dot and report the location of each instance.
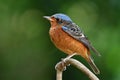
(70, 39)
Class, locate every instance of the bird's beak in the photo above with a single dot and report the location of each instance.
(48, 18)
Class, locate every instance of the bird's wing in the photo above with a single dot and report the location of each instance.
(74, 31)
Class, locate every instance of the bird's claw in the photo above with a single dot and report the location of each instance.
(64, 63)
(60, 66)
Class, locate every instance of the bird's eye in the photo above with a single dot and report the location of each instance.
(57, 19)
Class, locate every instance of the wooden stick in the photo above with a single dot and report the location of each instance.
(60, 68)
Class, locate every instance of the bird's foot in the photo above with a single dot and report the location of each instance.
(63, 63)
(61, 66)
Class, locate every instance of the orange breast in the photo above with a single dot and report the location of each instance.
(66, 43)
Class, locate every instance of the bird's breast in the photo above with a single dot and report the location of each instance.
(65, 42)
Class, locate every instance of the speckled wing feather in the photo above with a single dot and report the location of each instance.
(73, 30)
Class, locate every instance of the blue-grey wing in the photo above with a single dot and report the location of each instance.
(74, 31)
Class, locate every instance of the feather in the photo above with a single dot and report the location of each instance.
(74, 31)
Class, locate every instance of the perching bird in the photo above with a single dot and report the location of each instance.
(68, 37)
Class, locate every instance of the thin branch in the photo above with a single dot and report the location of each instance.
(60, 68)
(59, 75)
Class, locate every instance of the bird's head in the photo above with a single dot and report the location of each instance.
(59, 18)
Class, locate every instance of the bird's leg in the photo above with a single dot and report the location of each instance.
(68, 57)
(63, 62)
(62, 65)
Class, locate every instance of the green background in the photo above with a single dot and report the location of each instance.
(26, 52)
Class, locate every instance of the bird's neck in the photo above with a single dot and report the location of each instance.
(53, 24)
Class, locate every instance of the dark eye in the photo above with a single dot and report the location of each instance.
(57, 19)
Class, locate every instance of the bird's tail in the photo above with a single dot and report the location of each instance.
(95, 51)
(93, 66)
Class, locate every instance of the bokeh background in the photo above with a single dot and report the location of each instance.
(26, 52)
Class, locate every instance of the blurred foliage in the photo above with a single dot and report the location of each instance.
(26, 52)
